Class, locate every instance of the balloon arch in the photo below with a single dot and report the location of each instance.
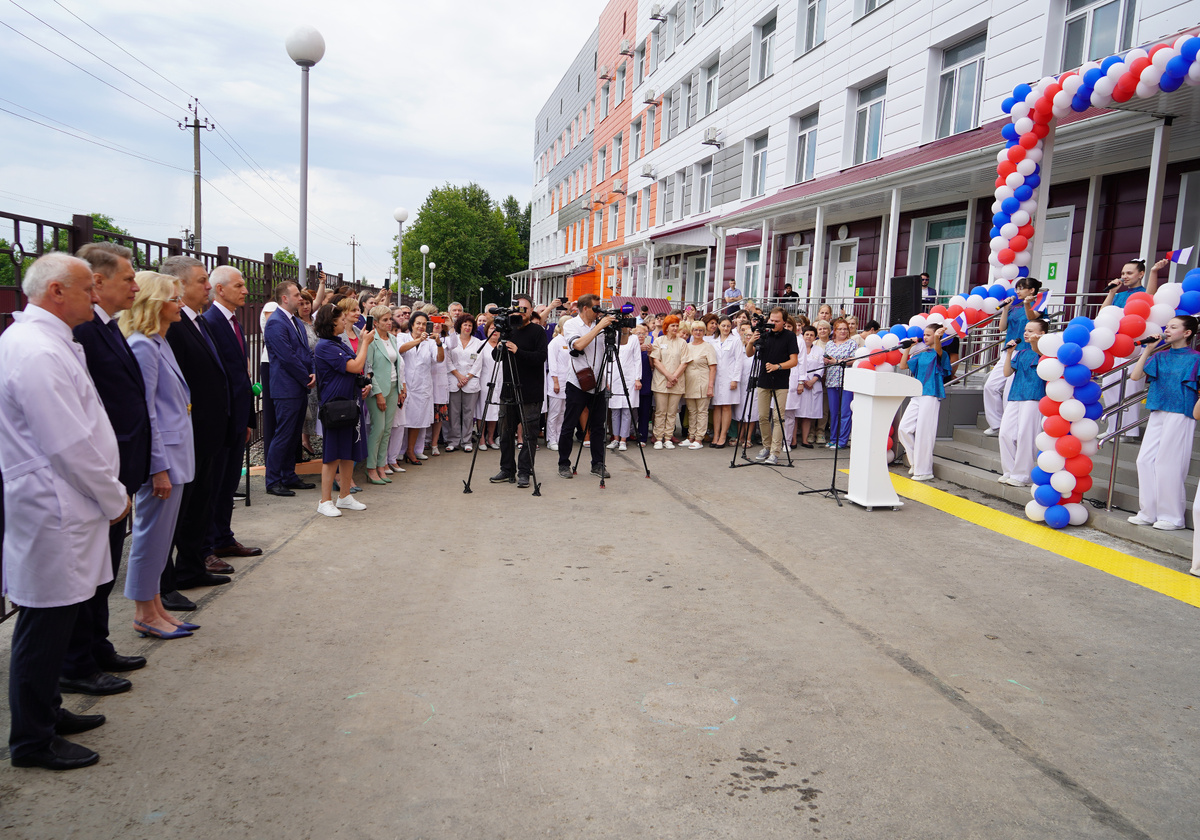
(1086, 347)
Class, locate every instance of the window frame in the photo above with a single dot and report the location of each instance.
(756, 181)
(712, 86)
(704, 186)
(764, 48)
(622, 77)
(635, 139)
(614, 212)
(806, 30)
(1123, 40)
(804, 148)
(949, 83)
(864, 119)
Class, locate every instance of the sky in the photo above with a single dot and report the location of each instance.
(409, 96)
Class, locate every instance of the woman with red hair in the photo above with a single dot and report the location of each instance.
(667, 357)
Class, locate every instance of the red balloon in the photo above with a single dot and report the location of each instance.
(954, 311)
(1018, 243)
(1068, 446)
(866, 363)
(1138, 65)
(1107, 364)
(1049, 408)
(893, 357)
(1026, 231)
(974, 316)
(1137, 307)
(1079, 465)
(1075, 498)
(1144, 297)
(1083, 483)
(1052, 90)
(1006, 168)
(939, 310)
(1155, 49)
(1132, 326)
(1006, 255)
(1000, 182)
(1123, 346)
(1056, 426)
(1016, 154)
(1041, 130)
(1028, 140)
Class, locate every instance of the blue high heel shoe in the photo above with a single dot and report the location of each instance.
(148, 630)
(183, 625)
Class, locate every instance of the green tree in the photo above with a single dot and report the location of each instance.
(285, 255)
(104, 230)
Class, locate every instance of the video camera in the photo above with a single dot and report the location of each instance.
(760, 323)
(622, 318)
(506, 321)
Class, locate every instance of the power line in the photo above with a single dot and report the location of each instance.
(27, 199)
(250, 215)
(103, 144)
(67, 125)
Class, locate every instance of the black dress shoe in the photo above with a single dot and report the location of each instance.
(70, 723)
(502, 478)
(61, 754)
(175, 602)
(301, 485)
(206, 579)
(236, 549)
(280, 490)
(117, 662)
(98, 684)
(217, 566)
(522, 481)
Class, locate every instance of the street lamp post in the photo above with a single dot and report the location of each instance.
(481, 298)
(306, 47)
(432, 266)
(401, 216)
(424, 255)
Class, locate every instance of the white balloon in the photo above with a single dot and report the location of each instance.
(1045, 82)
(1059, 390)
(935, 318)
(1090, 447)
(884, 367)
(1002, 155)
(860, 352)
(1024, 125)
(1020, 110)
(1026, 167)
(1070, 85)
(1015, 179)
(917, 321)
(1008, 272)
(1021, 218)
(1105, 85)
(1029, 207)
(1050, 369)
(1035, 512)
(996, 208)
(1181, 40)
(958, 300)
(1099, 100)
(990, 305)
(1086, 66)
(1193, 76)
(1023, 258)
(1093, 357)
(1032, 98)
(998, 243)
(1071, 410)
(1063, 482)
(1085, 429)
(1003, 193)
(1061, 111)
(1115, 71)
(1035, 154)
(994, 260)
(1044, 441)
(1051, 462)
(1160, 313)
(1062, 99)
(874, 341)
(1152, 330)
(1110, 317)
(1169, 294)
(1102, 337)
(975, 302)
(1152, 75)
(1079, 513)
(1008, 231)
(1134, 54)
(1145, 90)
(1048, 344)
(890, 341)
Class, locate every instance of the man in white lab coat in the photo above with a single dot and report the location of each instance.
(59, 459)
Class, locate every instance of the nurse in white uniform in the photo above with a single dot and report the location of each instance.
(423, 363)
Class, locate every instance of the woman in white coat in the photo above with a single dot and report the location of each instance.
(625, 385)
(172, 457)
(422, 360)
(557, 357)
(488, 412)
(465, 361)
(441, 386)
(806, 394)
(731, 356)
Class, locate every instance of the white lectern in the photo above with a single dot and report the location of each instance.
(877, 397)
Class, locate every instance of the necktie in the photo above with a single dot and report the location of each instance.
(118, 337)
(237, 330)
(301, 332)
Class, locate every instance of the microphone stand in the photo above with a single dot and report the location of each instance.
(835, 419)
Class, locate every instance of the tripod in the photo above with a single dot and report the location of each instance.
(511, 399)
(603, 371)
(835, 420)
(756, 368)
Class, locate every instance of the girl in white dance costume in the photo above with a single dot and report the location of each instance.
(1022, 414)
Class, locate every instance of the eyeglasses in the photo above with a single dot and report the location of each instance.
(175, 299)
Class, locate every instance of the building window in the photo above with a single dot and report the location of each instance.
(620, 84)
(765, 65)
(639, 65)
(671, 108)
(655, 48)
(1096, 29)
(698, 12)
(602, 164)
(871, 5)
(660, 209)
(712, 79)
(677, 198)
(689, 19)
(751, 273)
(635, 140)
(685, 97)
(672, 22)
(646, 207)
(712, 7)
(605, 93)
(806, 148)
(613, 210)
(758, 165)
(618, 141)
(868, 122)
(961, 87)
(704, 194)
(812, 24)
(945, 244)
(650, 130)
(631, 213)
(598, 228)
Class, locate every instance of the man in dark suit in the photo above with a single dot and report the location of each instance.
(118, 379)
(212, 432)
(228, 295)
(291, 377)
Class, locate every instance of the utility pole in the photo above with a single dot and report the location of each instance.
(195, 125)
(354, 246)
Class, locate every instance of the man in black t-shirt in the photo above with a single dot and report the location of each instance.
(780, 353)
(527, 355)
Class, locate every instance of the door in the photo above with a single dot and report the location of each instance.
(674, 285)
(797, 275)
(843, 265)
(1056, 250)
(697, 290)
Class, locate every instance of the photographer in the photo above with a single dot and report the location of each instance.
(526, 342)
(586, 352)
(779, 354)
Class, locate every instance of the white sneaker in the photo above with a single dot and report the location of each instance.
(762, 455)
(328, 509)
(668, 445)
(588, 444)
(350, 503)
(467, 447)
(658, 444)
(990, 432)
(435, 451)
(614, 443)
(1138, 519)
(553, 447)
(449, 448)
(621, 446)
(772, 460)
(1164, 525)
(695, 445)
(923, 477)
(1195, 572)
(1003, 479)
(422, 456)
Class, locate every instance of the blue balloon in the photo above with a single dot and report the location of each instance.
(1170, 83)
(1190, 301)
(1077, 375)
(1047, 496)
(1178, 66)
(1076, 334)
(1092, 76)
(1010, 293)
(1180, 313)
(1037, 169)
(900, 331)
(1080, 102)
(1023, 271)
(1039, 476)
(1023, 90)
(1194, 274)
(1069, 354)
(1058, 517)
(1189, 50)
(1093, 411)
(1012, 143)
(1006, 105)
(1190, 283)
(1009, 132)
(1109, 62)
(1088, 394)
(1010, 205)
(996, 290)
(1023, 192)
(980, 290)
(916, 332)
(1000, 219)
(1032, 181)
(1080, 321)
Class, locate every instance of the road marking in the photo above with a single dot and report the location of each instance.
(1178, 585)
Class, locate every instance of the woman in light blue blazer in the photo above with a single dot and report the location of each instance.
(172, 457)
(387, 391)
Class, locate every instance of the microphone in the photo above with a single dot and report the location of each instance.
(1151, 340)
(909, 342)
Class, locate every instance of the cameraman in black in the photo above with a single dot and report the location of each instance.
(582, 333)
(527, 347)
(780, 353)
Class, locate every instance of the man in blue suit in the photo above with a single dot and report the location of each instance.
(291, 377)
(118, 379)
(228, 295)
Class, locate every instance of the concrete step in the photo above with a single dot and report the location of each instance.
(1114, 522)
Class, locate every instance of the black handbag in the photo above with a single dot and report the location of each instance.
(339, 414)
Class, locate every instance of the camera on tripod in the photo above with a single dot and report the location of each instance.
(622, 318)
(760, 323)
(506, 321)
